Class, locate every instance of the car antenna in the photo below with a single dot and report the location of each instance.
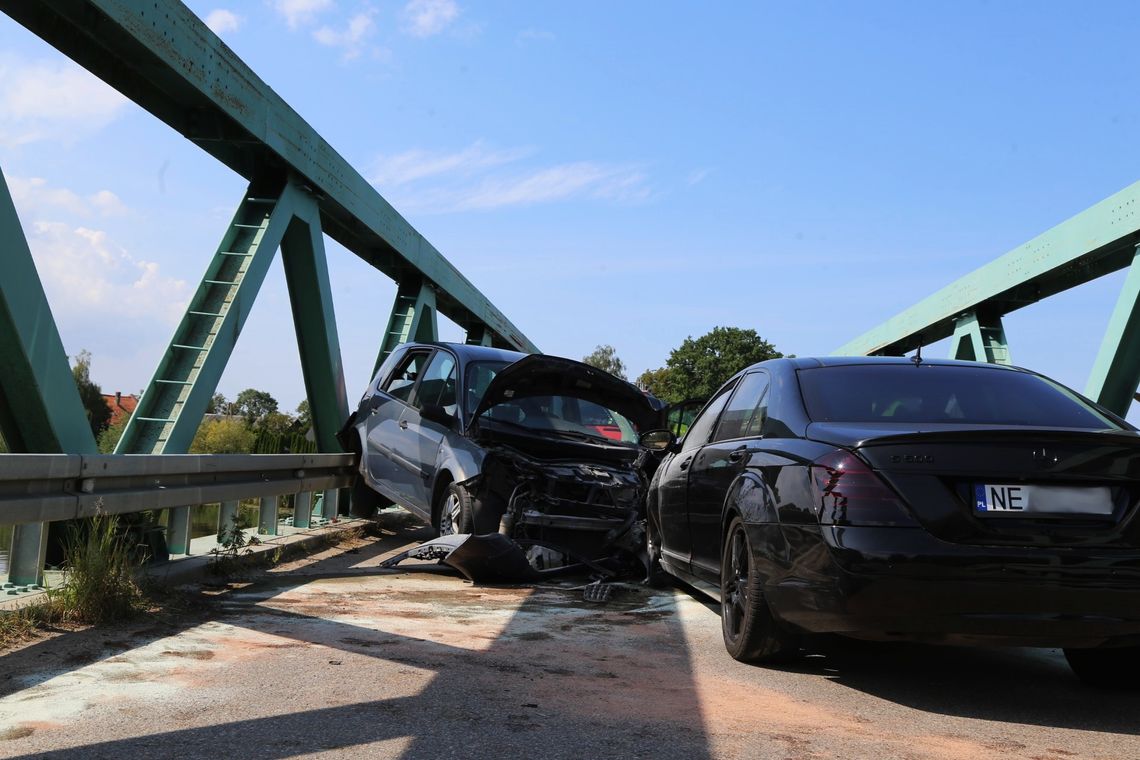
(917, 358)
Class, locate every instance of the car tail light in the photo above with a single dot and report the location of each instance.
(848, 492)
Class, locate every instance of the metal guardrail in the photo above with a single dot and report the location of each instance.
(51, 487)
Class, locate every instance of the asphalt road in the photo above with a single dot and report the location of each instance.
(333, 657)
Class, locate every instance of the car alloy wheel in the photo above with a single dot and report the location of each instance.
(751, 633)
(454, 515)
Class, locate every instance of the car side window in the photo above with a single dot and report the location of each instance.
(403, 380)
(741, 411)
(438, 383)
(698, 434)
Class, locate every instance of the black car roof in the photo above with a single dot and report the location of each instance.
(810, 362)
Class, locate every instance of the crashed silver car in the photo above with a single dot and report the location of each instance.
(543, 450)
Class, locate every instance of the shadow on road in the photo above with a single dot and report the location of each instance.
(562, 679)
(1016, 685)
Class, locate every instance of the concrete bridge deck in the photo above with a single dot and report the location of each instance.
(329, 656)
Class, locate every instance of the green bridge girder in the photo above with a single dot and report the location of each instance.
(1098, 241)
(162, 56)
(159, 54)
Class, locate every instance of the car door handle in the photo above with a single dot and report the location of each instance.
(403, 424)
(685, 465)
(737, 455)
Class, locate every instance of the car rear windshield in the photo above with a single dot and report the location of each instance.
(940, 393)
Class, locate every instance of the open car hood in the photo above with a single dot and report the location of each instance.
(542, 375)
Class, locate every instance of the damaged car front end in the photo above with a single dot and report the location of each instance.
(547, 452)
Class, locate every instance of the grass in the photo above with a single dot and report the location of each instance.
(99, 581)
(98, 584)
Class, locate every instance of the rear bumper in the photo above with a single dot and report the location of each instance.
(902, 583)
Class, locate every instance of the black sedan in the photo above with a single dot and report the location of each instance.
(888, 498)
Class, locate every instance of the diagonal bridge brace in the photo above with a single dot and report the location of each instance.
(172, 407)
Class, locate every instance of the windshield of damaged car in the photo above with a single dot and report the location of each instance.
(940, 393)
(573, 417)
(479, 376)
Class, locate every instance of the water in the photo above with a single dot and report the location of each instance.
(204, 518)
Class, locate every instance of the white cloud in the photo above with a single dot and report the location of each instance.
(34, 197)
(300, 12)
(351, 39)
(52, 100)
(222, 21)
(480, 178)
(412, 165)
(424, 18)
(563, 182)
(85, 272)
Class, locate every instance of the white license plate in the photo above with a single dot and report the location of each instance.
(996, 498)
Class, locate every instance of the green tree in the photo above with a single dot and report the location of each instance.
(217, 404)
(98, 413)
(605, 358)
(275, 423)
(698, 367)
(254, 405)
(111, 434)
(223, 436)
(304, 417)
(655, 381)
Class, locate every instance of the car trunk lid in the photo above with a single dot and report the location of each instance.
(1036, 486)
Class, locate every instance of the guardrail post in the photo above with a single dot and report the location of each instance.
(26, 564)
(226, 514)
(178, 530)
(267, 516)
(330, 505)
(303, 510)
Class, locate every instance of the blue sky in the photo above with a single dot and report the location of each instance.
(627, 173)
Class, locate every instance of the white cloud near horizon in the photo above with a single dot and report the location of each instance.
(478, 178)
(351, 39)
(222, 21)
(33, 196)
(83, 271)
(52, 100)
(426, 18)
(300, 12)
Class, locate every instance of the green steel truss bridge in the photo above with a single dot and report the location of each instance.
(164, 58)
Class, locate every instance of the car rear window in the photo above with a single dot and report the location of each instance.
(941, 393)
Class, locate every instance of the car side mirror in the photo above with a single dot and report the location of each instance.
(437, 414)
(656, 440)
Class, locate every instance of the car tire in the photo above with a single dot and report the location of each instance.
(751, 633)
(1106, 667)
(454, 514)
